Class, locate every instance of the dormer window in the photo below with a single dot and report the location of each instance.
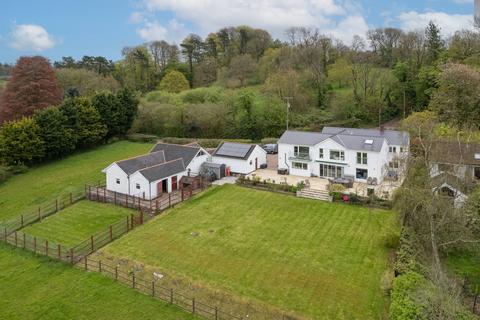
(369, 142)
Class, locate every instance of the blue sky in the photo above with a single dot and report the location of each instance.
(56, 28)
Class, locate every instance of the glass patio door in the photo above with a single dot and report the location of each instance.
(331, 171)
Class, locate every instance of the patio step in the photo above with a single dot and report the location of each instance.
(315, 194)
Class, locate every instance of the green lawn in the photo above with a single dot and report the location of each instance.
(310, 258)
(466, 265)
(42, 184)
(34, 288)
(78, 222)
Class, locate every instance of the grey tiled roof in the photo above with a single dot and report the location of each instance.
(393, 137)
(175, 151)
(163, 170)
(354, 139)
(132, 165)
(303, 138)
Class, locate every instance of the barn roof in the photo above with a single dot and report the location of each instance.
(163, 170)
(132, 165)
(176, 151)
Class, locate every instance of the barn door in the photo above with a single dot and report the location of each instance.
(174, 183)
(159, 188)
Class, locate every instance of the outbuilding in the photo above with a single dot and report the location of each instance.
(149, 176)
(240, 158)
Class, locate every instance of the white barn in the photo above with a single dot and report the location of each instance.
(160, 171)
(240, 158)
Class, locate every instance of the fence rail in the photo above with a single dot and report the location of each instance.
(152, 288)
(154, 206)
(25, 219)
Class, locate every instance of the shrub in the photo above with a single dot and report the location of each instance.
(403, 305)
(269, 140)
(336, 188)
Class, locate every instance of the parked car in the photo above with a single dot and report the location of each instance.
(271, 148)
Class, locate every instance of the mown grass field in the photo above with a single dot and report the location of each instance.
(34, 288)
(42, 184)
(78, 222)
(310, 258)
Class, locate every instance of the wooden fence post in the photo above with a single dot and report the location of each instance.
(111, 233)
(89, 192)
(216, 313)
(475, 304)
(193, 305)
(156, 205)
(126, 200)
(133, 280)
(171, 296)
(153, 288)
(71, 198)
(169, 200)
(56, 205)
(105, 195)
(91, 243)
(100, 266)
(39, 214)
(5, 234)
(131, 221)
(24, 240)
(116, 272)
(21, 220)
(128, 228)
(115, 197)
(15, 238)
(182, 195)
(71, 256)
(86, 264)
(46, 248)
(35, 245)
(59, 252)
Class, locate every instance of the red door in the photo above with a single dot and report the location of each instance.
(159, 188)
(174, 183)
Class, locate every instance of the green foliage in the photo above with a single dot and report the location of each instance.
(20, 142)
(336, 188)
(403, 305)
(174, 82)
(117, 111)
(84, 82)
(85, 120)
(54, 131)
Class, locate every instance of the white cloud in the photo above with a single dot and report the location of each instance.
(341, 18)
(136, 17)
(30, 37)
(449, 23)
(173, 31)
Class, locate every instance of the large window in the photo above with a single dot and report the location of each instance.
(337, 155)
(362, 174)
(301, 152)
(329, 171)
(320, 155)
(300, 165)
(362, 158)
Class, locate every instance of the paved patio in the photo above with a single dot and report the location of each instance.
(384, 190)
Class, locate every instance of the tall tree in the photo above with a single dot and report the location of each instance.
(433, 42)
(32, 87)
(20, 142)
(192, 49)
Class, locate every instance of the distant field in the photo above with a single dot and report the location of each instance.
(311, 258)
(43, 183)
(34, 288)
(76, 223)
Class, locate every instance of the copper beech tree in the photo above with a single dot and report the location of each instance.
(32, 87)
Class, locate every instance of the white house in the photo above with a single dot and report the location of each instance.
(343, 152)
(240, 158)
(455, 169)
(160, 171)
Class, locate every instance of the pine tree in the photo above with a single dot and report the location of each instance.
(434, 43)
(33, 86)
